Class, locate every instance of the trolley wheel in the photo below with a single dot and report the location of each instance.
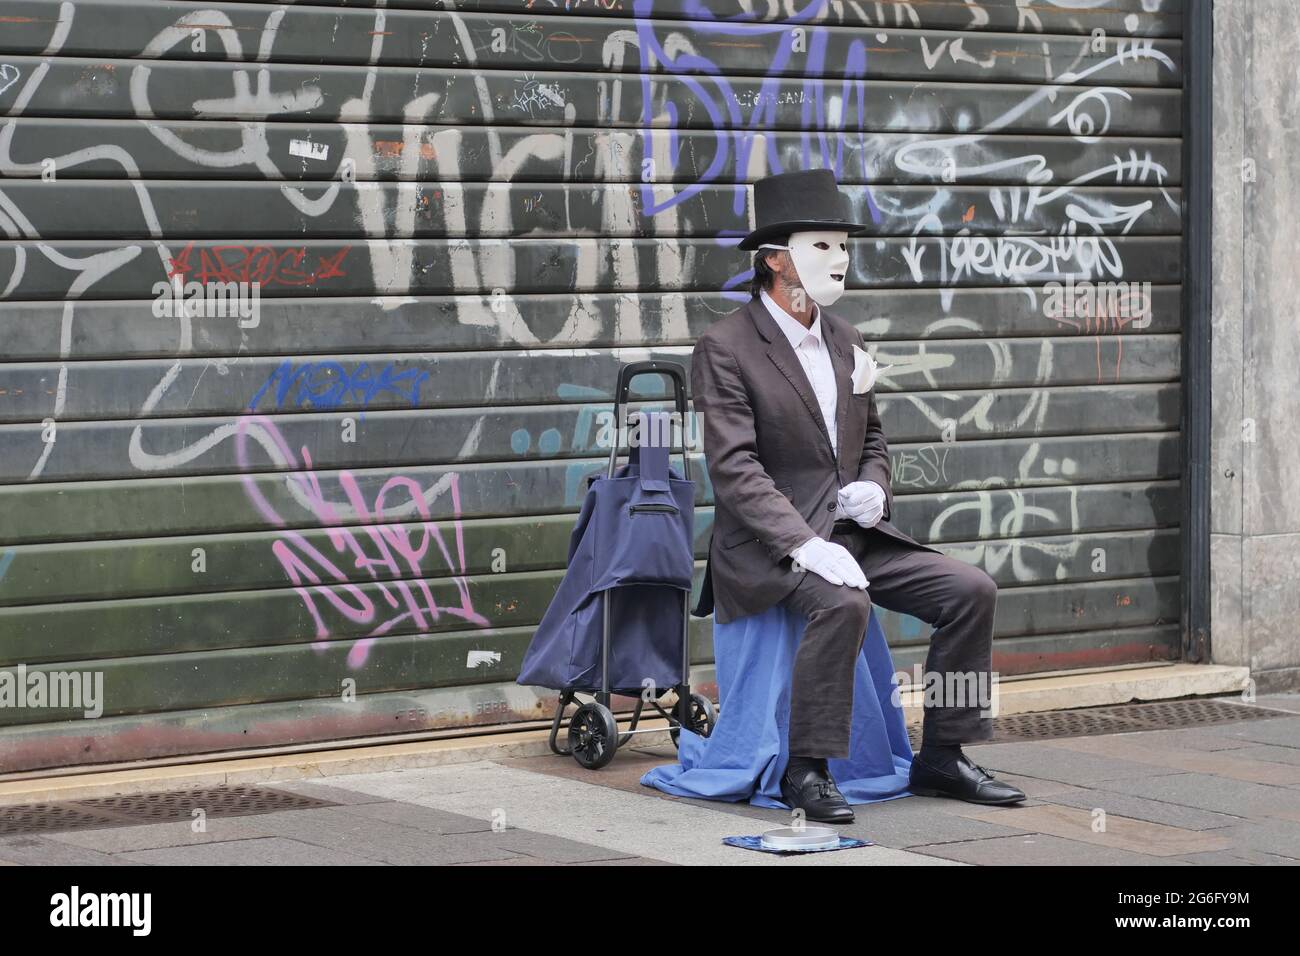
(702, 718)
(593, 735)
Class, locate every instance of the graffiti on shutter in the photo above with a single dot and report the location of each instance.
(439, 228)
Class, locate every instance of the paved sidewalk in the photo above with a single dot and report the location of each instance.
(1224, 794)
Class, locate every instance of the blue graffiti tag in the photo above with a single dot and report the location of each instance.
(330, 385)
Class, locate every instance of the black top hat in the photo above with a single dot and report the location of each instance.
(800, 201)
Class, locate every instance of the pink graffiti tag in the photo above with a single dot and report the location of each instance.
(392, 555)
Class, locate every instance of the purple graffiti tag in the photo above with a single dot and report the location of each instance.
(822, 139)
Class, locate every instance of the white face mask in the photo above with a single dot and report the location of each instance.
(821, 260)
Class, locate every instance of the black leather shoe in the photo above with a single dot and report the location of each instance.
(963, 780)
(811, 789)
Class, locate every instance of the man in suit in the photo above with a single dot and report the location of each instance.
(801, 480)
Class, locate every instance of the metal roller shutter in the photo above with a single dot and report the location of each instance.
(462, 217)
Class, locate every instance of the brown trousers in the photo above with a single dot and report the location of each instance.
(954, 597)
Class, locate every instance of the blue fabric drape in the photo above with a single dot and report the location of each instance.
(744, 757)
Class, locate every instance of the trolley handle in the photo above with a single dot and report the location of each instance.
(629, 371)
(670, 370)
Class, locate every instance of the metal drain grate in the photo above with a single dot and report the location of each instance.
(49, 818)
(143, 808)
(227, 801)
(1088, 722)
(1171, 714)
(1117, 719)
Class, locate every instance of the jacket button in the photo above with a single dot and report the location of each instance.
(830, 506)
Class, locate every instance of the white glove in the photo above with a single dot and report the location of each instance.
(864, 502)
(832, 561)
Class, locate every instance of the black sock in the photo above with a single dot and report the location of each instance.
(940, 755)
(805, 763)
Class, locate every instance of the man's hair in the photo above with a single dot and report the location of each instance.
(763, 274)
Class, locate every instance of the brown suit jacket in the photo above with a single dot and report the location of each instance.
(775, 479)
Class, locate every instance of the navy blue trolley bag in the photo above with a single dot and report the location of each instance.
(620, 620)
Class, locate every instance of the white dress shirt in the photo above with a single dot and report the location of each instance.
(810, 346)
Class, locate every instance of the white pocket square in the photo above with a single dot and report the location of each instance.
(865, 371)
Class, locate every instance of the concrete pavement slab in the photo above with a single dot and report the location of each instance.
(1143, 808)
(549, 848)
(1048, 762)
(1238, 857)
(338, 829)
(1221, 763)
(265, 851)
(42, 851)
(1268, 752)
(1276, 837)
(1235, 797)
(1043, 850)
(623, 774)
(922, 821)
(1186, 738)
(625, 861)
(152, 836)
(323, 791)
(633, 824)
(417, 817)
(1104, 829)
(1281, 731)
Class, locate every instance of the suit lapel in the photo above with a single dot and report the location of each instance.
(782, 355)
